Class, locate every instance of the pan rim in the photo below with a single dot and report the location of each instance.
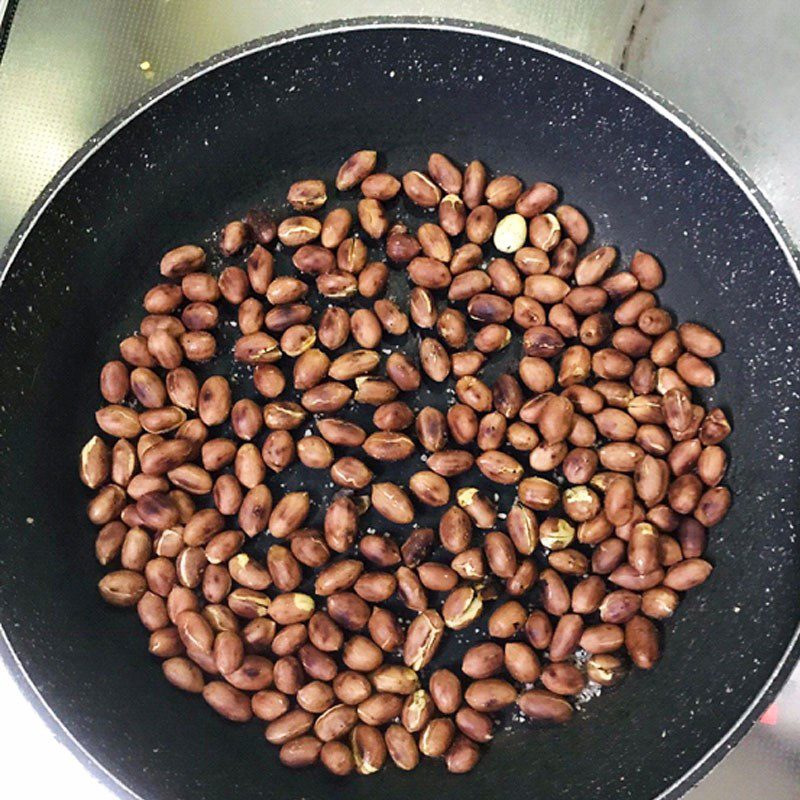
(652, 98)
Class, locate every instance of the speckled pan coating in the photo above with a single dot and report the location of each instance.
(260, 116)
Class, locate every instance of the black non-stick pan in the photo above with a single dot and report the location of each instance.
(232, 133)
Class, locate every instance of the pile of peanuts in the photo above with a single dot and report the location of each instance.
(617, 469)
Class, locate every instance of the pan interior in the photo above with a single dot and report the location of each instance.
(236, 138)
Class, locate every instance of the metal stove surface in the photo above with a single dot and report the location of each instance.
(69, 65)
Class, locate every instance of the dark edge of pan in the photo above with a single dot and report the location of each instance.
(652, 98)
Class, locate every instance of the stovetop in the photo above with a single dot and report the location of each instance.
(69, 65)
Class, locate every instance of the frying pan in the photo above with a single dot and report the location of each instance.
(232, 133)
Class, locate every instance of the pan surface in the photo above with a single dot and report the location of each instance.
(233, 133)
